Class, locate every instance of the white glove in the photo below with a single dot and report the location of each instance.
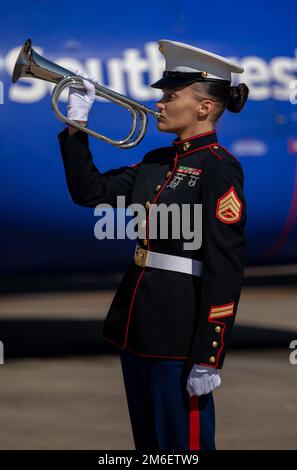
(81, 98)
(202, 380)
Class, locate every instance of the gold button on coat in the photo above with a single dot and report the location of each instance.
(147, 204)
(212, 359)
(215, 344)
(186, 145)
(215, 147)
(158, 187)
(218, 329)
(168, 174)
(145, 241)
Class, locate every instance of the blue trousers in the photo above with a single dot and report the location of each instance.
(162, 413)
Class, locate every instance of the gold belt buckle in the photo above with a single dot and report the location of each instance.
(140, 256)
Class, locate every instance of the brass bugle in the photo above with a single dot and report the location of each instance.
(31, 64)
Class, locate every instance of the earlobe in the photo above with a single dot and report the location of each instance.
(202, 111)
(205, 107)
(209, 105)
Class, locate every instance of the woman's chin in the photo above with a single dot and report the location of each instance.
(163, 126)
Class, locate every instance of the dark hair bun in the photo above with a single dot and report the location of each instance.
(237, 98)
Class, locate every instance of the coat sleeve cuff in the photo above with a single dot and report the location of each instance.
(80, 136)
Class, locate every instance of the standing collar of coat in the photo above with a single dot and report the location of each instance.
(194, 143)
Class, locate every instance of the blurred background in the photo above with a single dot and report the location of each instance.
(61, 384)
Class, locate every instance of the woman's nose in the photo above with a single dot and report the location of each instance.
(160, 105)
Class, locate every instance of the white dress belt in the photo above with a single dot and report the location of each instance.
(180, 264)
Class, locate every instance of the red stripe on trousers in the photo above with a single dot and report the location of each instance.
(194, 419)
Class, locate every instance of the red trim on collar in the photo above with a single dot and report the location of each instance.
(195, 143)
(199, 148)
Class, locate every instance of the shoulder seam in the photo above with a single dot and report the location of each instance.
(215, 154)
(219, 157)
(231, 154)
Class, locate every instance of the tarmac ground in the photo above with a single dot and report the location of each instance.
(77, 400)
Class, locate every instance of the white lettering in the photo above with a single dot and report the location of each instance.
(132, 74)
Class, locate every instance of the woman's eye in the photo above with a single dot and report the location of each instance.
(168, 97)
